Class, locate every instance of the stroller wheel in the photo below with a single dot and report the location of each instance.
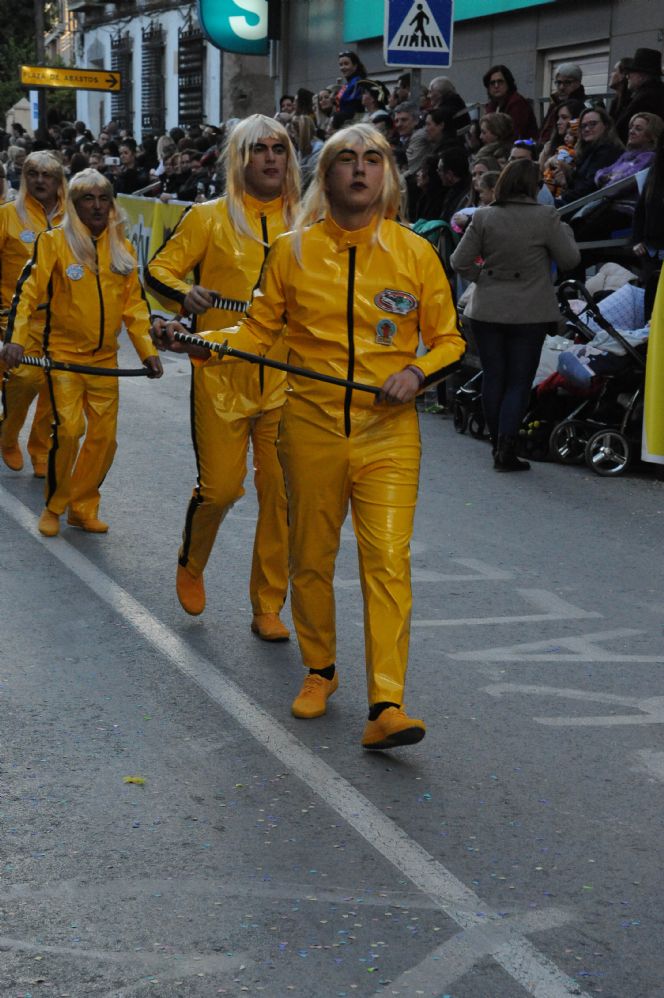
(476, 426)
(460, 418)
(608, 452)
(568, 440)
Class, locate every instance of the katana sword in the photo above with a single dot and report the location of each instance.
(229, 304)
(61, 365)
(254, 358)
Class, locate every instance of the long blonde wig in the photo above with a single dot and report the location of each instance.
(316, 202)
(78, 235)
(49, 163)
(235, 157)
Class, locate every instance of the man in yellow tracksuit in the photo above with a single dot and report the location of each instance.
(38, 207)
(224, 243)
(87, 273)
(355, 290)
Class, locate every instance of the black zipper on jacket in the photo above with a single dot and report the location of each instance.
(351, 337)
(266, 250)
(101, 302)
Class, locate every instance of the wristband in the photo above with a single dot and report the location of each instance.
(420, 374)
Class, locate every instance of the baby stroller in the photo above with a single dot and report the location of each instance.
(467, 408)
(604, 429)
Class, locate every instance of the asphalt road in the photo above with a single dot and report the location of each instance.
(518, 850)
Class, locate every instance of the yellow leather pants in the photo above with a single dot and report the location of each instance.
(221, 440)
(82, 403)
(18, 391)
(376, 471)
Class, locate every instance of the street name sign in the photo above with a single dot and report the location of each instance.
(71, 77)
(418, 33)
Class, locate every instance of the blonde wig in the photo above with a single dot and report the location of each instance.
(49, 163)
(78, 235)
(359, 137)
(235, 157)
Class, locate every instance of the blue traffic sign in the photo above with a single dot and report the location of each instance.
(418, 33)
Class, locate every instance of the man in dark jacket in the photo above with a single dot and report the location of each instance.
(567, 86)
(646, 90)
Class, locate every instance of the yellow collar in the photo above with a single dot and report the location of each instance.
(344, 238)
(263, 207)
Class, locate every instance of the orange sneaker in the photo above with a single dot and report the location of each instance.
(391, 729)
(268, 627)
(13, 457)
(190, 590)
(311, 701)
(90, 524)
(49, 524)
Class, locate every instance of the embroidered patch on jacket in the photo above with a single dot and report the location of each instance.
(27, 236)
(386, 330)
(400, 302)
(74, 271)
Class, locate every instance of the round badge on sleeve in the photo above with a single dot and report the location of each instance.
(74, 271)
(27, 236)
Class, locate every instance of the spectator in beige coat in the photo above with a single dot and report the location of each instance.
(514, 303)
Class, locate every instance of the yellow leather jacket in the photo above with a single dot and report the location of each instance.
(85, 311)
(354, 308)
(17, 241)
(207, 243)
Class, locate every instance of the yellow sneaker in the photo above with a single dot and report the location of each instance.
(391, 729)
(90, 524)
(311, 701)
(190, 590)
(13, 457)
(49, 524)
(268, 627)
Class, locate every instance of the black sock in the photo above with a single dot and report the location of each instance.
(377, 709)
(325, 673)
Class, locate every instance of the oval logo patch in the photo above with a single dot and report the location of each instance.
(27, 236)
(74, 271)
(398, 302)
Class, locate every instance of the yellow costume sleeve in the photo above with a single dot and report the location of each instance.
(31, 289)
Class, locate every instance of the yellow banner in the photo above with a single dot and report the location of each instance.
(150, 223)
(653, 421)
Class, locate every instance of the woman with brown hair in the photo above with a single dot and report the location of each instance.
(598, 147)
(503, 96)
(517, 240)
(496, 136)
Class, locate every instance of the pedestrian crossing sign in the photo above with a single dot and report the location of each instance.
(418, 33)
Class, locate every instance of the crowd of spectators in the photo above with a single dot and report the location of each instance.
(441, 149)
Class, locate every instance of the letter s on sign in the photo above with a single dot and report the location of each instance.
(241, 27)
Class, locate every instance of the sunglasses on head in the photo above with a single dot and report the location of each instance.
(525, 143)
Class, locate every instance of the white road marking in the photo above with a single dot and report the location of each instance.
(443, 967)
(552, 607)
(167, 964)
(538, 975)
(584, 648)
(479, 571)
(652, 708)
(652, 763)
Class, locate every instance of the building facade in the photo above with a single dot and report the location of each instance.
(173, 76)
(528, 36)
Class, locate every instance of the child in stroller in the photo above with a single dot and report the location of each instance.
(608, 370)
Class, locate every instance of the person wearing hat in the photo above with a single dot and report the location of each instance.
(646, 90)
(382, 120)
(374, 97)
